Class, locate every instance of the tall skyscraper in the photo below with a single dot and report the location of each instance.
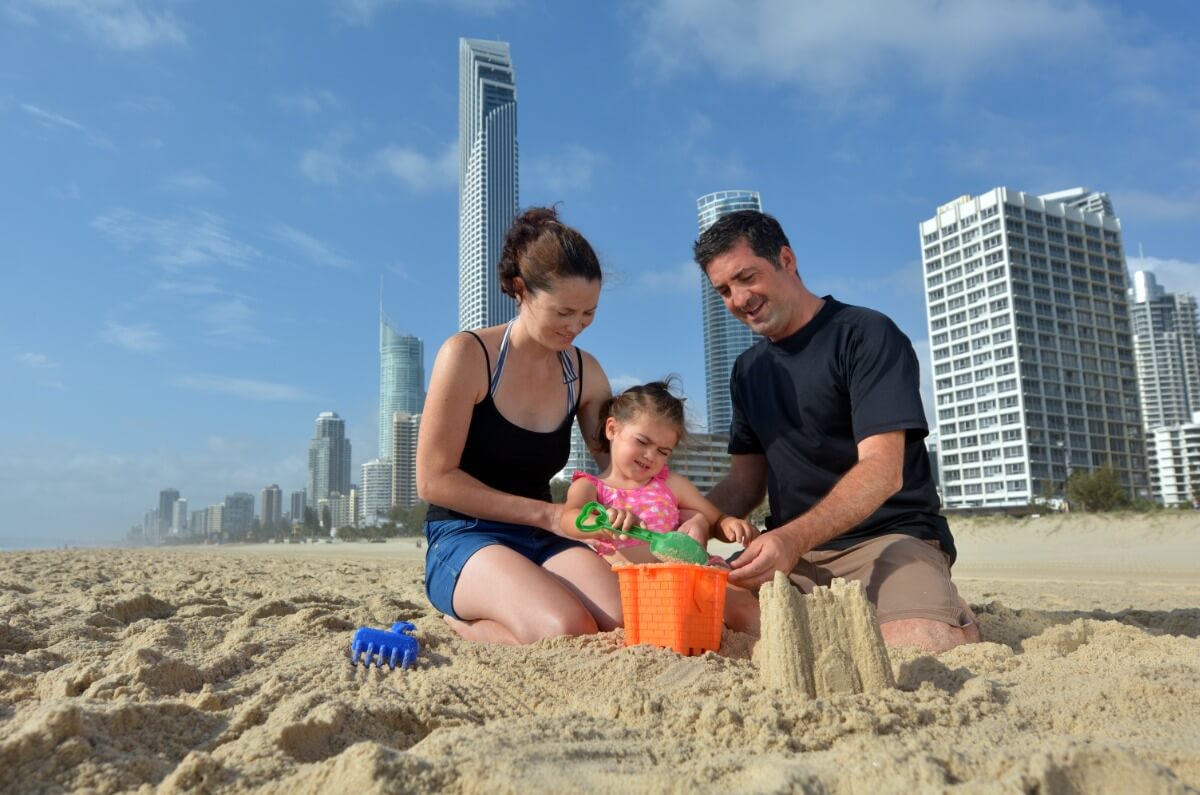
(580, 458)
(405, 428)
(298, 500)
(166, 511)
(1167, 346)
(376, 497)
(328, 458)
(487, 178)
(1033, 360)
(238, 515)
(401, 379)
(724, 335)
(272, 506)
(179, 517)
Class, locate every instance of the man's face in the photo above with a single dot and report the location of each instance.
(755, 291)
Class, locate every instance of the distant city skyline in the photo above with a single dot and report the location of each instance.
(222, 205)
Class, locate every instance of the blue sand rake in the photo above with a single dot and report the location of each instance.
(384, 646)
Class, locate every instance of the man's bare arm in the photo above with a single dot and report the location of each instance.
(878, 475)
(743, 488)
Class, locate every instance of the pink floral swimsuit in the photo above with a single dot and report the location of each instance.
(654, 504)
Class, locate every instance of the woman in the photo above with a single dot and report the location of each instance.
(496, 427)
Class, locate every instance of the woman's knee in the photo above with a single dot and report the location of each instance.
(556, 621)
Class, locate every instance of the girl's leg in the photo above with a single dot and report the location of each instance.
(592, 581)
(741, 611)
(503, 597)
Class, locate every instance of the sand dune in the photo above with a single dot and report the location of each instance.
(224, 670)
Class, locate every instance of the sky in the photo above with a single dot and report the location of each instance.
(199, 201)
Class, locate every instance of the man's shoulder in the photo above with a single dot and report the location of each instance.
(862, 316)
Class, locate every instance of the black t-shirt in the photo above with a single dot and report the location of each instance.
(808, 400)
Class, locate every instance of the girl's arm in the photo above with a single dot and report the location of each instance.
(723, 526)
(596, 390)
(581, 492)
(458, 382)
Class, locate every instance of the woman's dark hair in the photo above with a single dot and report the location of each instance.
(539, 248)
(654, 398)
(761, 232)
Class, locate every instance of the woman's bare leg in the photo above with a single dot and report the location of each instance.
(503, 597)
(593, 582)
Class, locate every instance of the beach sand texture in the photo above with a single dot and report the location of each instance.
(226, 670)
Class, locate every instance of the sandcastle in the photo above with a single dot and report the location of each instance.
(822, 644)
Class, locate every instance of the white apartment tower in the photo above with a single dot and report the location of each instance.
(487, 178)
(1167, 347)
(328, 458)
(1033, 361)
(376, 498)
(725, 337)
(405, 428)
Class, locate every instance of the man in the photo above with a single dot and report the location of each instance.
(828, 421)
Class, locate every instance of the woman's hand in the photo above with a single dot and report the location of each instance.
(737, 531)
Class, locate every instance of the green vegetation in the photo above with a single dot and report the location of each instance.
(1097, 491)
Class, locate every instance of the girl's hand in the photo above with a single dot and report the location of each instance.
(737, 531)
(621, 519)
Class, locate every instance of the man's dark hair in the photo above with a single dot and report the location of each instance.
(761, 231)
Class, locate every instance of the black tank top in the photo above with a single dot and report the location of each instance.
(510, 458)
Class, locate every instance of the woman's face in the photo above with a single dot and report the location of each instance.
(555, 317)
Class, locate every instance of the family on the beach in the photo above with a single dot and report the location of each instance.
(827, 424)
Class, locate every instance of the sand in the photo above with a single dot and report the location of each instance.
(226, 670)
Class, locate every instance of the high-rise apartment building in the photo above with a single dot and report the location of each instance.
(702, 458)
(271, 500)
(1174, 453)
(298, 500)
(238, 515)
(401, 379)
(405, 428)
(580, 458)
(328, 458)
(725, 337)
(166, 511)
(487, 178)
(179, 517)
(1033, 361)
(1167, 347)
(375, 498)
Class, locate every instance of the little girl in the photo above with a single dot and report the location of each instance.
(639, 429)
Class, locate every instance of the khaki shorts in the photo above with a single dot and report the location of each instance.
(905, 577)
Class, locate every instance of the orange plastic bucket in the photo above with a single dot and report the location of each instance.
(677, 606)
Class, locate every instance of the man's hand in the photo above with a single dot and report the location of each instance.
(697, 528)
(767, 554)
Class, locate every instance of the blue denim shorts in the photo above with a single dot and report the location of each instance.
(452, 542)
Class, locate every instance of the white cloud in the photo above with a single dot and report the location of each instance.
(241, 387)
(836, 49)
(194, 240)
(311, 248)
(36, 361)
(51, 120)
(418, 171)
(324, 166)
(139, 339)
(363, 12)
(119, 24)
(187, 287)
(623, 381)
(566, 171)
(192, 182)
(1173, 275)
(231, 318)
(308, 101)
(683, 279)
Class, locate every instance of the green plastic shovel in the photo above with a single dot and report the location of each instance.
(665, 546)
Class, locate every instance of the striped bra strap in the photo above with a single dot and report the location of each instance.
(568, 368)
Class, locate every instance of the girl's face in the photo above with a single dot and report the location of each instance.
(555, 317)
(641, 446)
